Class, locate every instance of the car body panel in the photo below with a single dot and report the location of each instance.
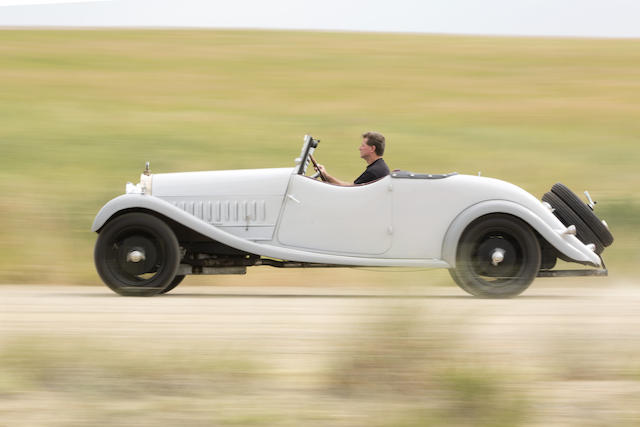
(245, 202)
(429, 215)
(567, 244)
(391, 222)
(129, 202)
(334, 219)
(232, 183)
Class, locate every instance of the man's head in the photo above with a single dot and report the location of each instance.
(372, 145)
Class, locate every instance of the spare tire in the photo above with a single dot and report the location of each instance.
(584, 212)
(568, 217)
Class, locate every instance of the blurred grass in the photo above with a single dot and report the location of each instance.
(388, 373)
(402, 368)
(428, 365)
(80, 112)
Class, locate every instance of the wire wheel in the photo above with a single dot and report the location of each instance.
(137, 254)
(498, 256)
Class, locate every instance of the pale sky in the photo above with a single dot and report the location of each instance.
(584, 18)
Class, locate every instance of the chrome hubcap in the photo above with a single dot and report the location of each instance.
(135, 256)
(497, 256)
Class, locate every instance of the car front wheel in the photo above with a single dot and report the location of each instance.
(498, 256)
(137, 254)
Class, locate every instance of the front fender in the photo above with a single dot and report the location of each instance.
(134, 201)
(549, 228)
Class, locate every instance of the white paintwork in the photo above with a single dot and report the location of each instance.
(234, 183)
(392, 222)
(245, 203)
(152, 203)
(316, 216)
(424, 210)
(549, 228)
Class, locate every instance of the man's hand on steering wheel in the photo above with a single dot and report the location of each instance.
(321, 172)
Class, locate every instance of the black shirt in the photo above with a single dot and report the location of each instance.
(375, 170)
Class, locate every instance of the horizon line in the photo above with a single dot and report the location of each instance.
(306, 30)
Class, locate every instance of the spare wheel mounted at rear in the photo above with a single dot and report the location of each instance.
(584, 212)
(568, 217)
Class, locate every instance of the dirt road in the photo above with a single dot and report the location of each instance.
(569, 352)
(283, 316)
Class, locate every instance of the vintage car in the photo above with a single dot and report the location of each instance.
(494, 237)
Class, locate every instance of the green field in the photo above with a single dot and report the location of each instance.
(81, 111)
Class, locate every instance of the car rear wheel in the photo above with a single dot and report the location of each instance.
(137, 254)
(498, 256)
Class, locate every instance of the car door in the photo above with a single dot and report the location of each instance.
(328, 218)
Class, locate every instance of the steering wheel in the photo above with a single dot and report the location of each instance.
(318, 174)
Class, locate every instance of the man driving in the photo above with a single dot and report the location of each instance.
(371, 151)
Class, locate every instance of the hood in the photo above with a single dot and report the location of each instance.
(221, 183)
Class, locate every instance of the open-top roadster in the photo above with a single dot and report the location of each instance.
(494, 237)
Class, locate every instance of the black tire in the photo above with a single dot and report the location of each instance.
(461, 284)
(175, 282)
(475, 272)
(452, 273)
(141, 233)
(568, 217)
(584, 212)
(549, 255)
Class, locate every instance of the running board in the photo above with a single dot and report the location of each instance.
(601, 272)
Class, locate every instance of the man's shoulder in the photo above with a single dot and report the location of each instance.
(380, 166)
(366, 176)
(374, 171)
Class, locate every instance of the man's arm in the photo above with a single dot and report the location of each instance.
(333, 180)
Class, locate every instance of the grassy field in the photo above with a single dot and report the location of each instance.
(81, 111)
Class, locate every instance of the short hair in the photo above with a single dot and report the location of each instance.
(375, 139)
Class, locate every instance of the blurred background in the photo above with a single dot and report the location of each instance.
(83, 107)
(82, 110)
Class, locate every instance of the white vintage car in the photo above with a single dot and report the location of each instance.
(494, 237)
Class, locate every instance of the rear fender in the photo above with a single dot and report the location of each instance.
(550, 228)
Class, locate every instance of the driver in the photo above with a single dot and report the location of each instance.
(371, 150)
